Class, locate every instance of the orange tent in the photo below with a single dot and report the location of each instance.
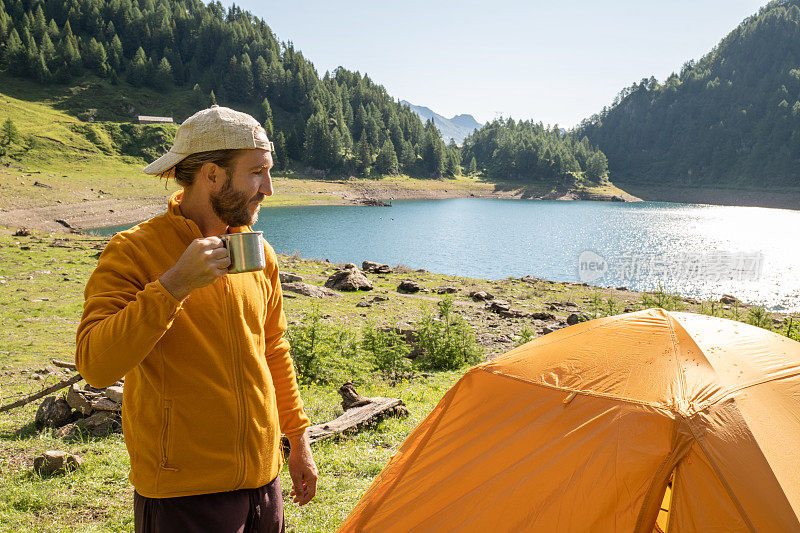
(584, 429)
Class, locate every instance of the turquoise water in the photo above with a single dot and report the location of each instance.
(695, 250)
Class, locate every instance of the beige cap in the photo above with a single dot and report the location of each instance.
(215, 128)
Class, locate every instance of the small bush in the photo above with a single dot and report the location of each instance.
(661, 298)
(323, 353)
(387, 352)
(447, 341)
(758, 316)
(526, 335)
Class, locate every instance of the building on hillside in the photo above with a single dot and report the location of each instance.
(144, 119)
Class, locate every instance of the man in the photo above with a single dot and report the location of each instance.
(209, 383)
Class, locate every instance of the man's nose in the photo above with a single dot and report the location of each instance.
(266, 185)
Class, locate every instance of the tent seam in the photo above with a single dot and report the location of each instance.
(584, 393)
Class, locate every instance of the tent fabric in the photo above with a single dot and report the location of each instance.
(582, 429)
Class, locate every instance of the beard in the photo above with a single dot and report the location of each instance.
(233, 206)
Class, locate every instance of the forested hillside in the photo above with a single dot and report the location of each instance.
(730, 119)
(531, 152)
(340, 122)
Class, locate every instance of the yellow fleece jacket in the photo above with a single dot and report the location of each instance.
(209, 383)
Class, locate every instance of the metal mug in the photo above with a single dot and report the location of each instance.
(246, 251)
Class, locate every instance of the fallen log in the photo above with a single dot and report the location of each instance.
(63, 364)
(44, 392)
(360, 412)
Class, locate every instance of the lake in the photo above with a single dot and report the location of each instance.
(695, 250)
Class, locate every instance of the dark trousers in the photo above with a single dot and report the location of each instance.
(240, 511)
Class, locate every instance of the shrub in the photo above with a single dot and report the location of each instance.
(323, 353)
(447, 341)
(387, 352)
(758, 316)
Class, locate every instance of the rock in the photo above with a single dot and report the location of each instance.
(546, 330)
(408, 286)
(349, 266)
(36, 377)
(70, 431)
(56, 462)
(446, 290)
(542, 316)
(22, 232)
(102, 423)
(306, 289)
(364, 303)
(104, 404)
(481, 295)
(53, 412)
(349, 279)
(288, 277)
(114, 393)
(375, 268)
(573, 319)
(727, 299)
(378, 298)
(499, 305)
(78, 401)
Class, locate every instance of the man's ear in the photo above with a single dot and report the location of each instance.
(211, 174)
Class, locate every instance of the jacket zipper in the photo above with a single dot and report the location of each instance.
(165, 438)
(240, 402)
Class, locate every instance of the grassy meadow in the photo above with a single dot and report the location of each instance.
(74, 148)
(41, 282)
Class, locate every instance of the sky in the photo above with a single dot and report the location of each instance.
(553, 61)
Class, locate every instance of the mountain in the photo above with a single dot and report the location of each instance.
(730, 119)
(187, 51)
(456, 128)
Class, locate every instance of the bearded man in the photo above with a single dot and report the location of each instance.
(209, 383)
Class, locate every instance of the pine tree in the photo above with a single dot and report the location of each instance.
(212, 97)
(472, 168)
(363, 159)
(9, 133)
(386, 162)
(95, 57)
(281, 156)
(137, 70)
(265, 116)
(162, 79)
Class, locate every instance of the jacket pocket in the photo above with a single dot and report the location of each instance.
(166, 435)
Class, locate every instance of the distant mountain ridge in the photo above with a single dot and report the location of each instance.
(456, 128)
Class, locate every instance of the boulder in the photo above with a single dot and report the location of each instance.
(727, 299)
(56, 462)
(542, 316)
(306, 289)
(53, 412)
(499, 305)
(573, 319)
(349, 279)
(104, 404)
(480, 295)
(364, 303)
(408, 286)
(446, 290)
(114, 393)
(76, 399)
(70, 431)
(102, 423)
(288, 277)
(375, 268)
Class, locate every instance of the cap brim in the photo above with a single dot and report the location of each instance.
(164, 163)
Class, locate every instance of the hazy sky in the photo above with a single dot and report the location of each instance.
(553, 61)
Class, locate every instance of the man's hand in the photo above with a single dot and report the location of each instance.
(202, 263)
(302, 469)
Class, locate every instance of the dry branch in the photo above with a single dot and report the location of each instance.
(44, 392)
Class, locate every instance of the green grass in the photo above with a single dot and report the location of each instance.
(41, 282)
